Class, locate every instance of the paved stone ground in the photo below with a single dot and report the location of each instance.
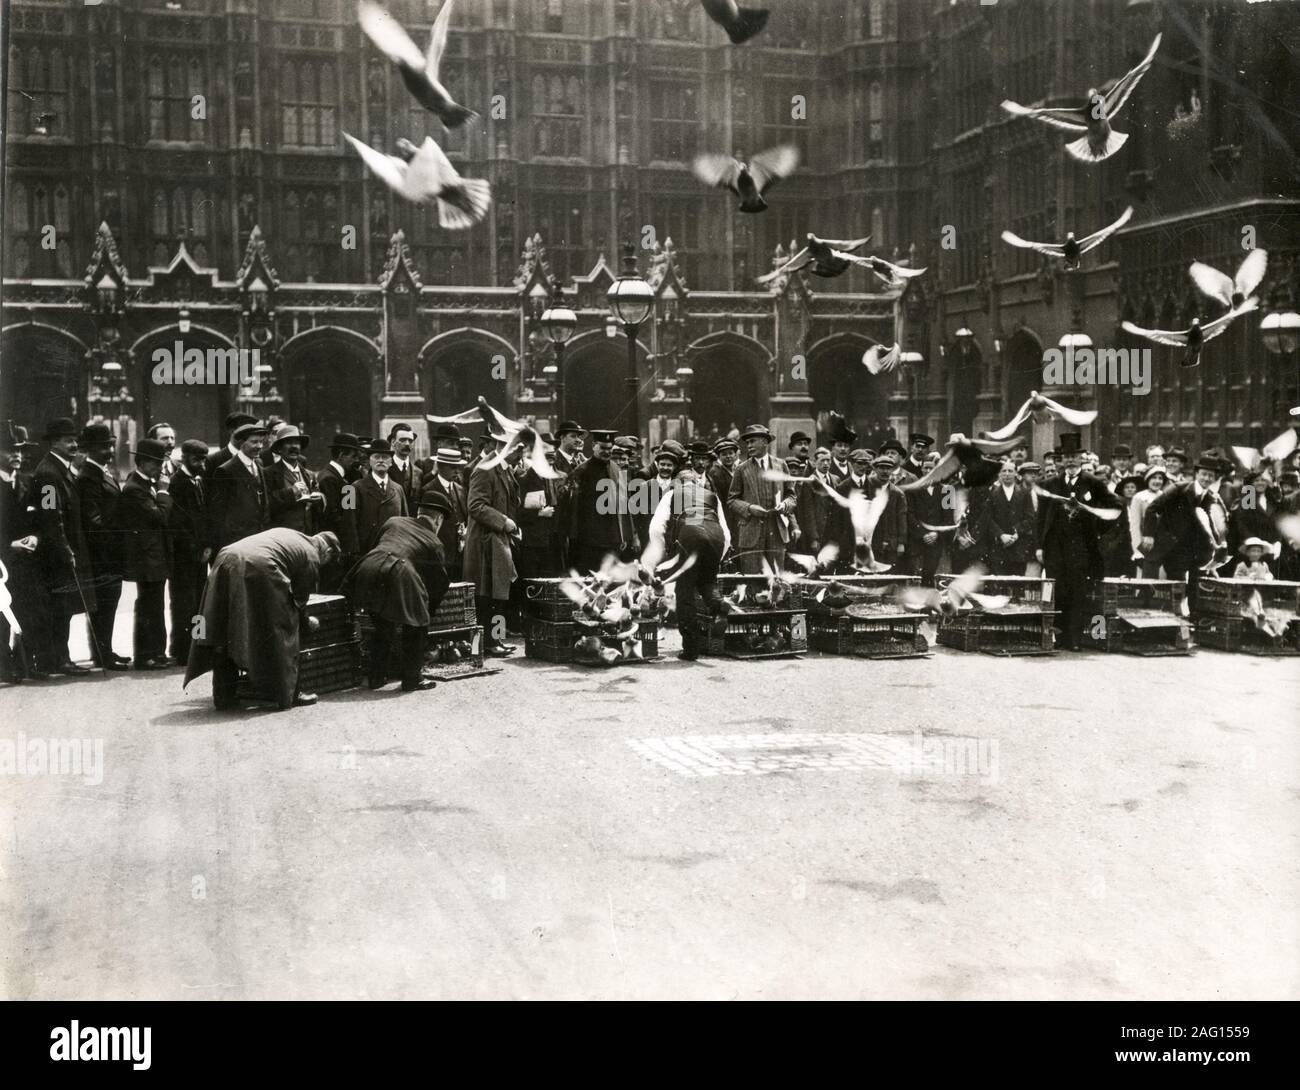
(957, 827)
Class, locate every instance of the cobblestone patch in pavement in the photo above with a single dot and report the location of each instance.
(762, 754)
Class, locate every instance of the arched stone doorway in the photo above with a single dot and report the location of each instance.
(1024, 363)
(730, 387)
(595, 387)
(457, 368)
(194, 411)
(838, 382)
(328, 385)
(42, 377)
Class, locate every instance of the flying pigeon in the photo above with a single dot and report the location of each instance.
(820, 564)
(429, 176)
(741, 24)
(1072, 249)
(1279, 449)
(749, 181)
(1036, 401)
(419, 70)
(825, 255)
(963, 454)
(1091, 121)
(877, 358)
(893, 276)
(1108, 514)
(1231, 293)
(959, 595)
(1193, 339)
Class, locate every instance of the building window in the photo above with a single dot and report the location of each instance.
(878, 240)
(779, 124)
(558, 113)
(674, 120)
(875, 122)
(876, 19)
(308, 103)
(173, 81)
(674, 20)
(551, 17)
(678, 218)
(1027, 207)
(33, 208)
(312, 220)
(184, 213)
(38, 91)
(967, 206)
(559, 221)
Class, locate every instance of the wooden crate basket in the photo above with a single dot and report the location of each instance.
(330, 668)
(1011, 632)
(1138, 617)
(1228, 597)
(1027, 593)
(337, 623)
(544, 600)
(469, 664)
(456, 610)
(745, 631)
(553, 641)
(881, 635)
(1240, 635)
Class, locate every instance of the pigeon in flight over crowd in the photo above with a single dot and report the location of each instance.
(423, 175)
(1194, 338)
(749, 181)
(827, 256)
(1230, 291)
(1036, 401)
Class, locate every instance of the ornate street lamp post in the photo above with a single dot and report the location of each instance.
(630, 299)
(559, 324)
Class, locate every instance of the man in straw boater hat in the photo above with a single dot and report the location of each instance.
(293, 500)
(99, 492)
(400, 584)
(24, 627)
(62, 554)
(142, 515)
(252, 615)
(445, 478)
(237, 498)
(764, 508)
(338, 510)
(493, 507)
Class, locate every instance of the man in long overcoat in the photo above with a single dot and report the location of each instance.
(252, 614)
(489, 561)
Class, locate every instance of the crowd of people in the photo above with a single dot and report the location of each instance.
(210, 536)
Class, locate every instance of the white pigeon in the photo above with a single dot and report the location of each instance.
(429, 176)
(419, 71)
(1072, 249)
(1193, 338)
(1229, 291)
(877, 358)
(1276, 451)
(1078, 417)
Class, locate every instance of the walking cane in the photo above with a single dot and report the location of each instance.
(90, 624)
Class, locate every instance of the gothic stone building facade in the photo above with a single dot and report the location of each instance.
(180, 167)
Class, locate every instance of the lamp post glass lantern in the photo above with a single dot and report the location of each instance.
(558, 323)
(630, 299)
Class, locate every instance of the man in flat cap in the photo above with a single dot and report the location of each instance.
(219, 456)
(726, 453)
(187, 526)
(238, 501)
(764, 509)
(400, 584)
(99, 492)
(293, 499)
(253, 616)
(62, 554)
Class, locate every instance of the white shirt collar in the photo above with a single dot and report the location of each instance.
(142, 477)
(381, 481)
(62, 459)
(338, 469)
(102, 469)
(248, 462)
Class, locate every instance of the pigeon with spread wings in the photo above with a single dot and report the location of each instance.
(959, 594)
(1276, 451)
(1231, 291)
(1192, 339)
(878, 358)
(864, 514)
(423, 175)
(1078, 417)
(419, 71)
(825, 255)
(1070, 251)
(893, 276)
(749, 181)
(963, 454)
(1091, 121)
(1107, 514)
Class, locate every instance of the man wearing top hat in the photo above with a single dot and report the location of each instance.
(379, 497)
(600, 520)
(568, 454)
(293, 500)
(187, 527)
(1069, 541)
(238, 501)
(219, 456)
(62, 553)
(764, 509)
(18, 543)
(400, 584)
(142, 516)
(444, 479)
(919, 445)
(493, 505)
(338, 510)
(99, 492)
